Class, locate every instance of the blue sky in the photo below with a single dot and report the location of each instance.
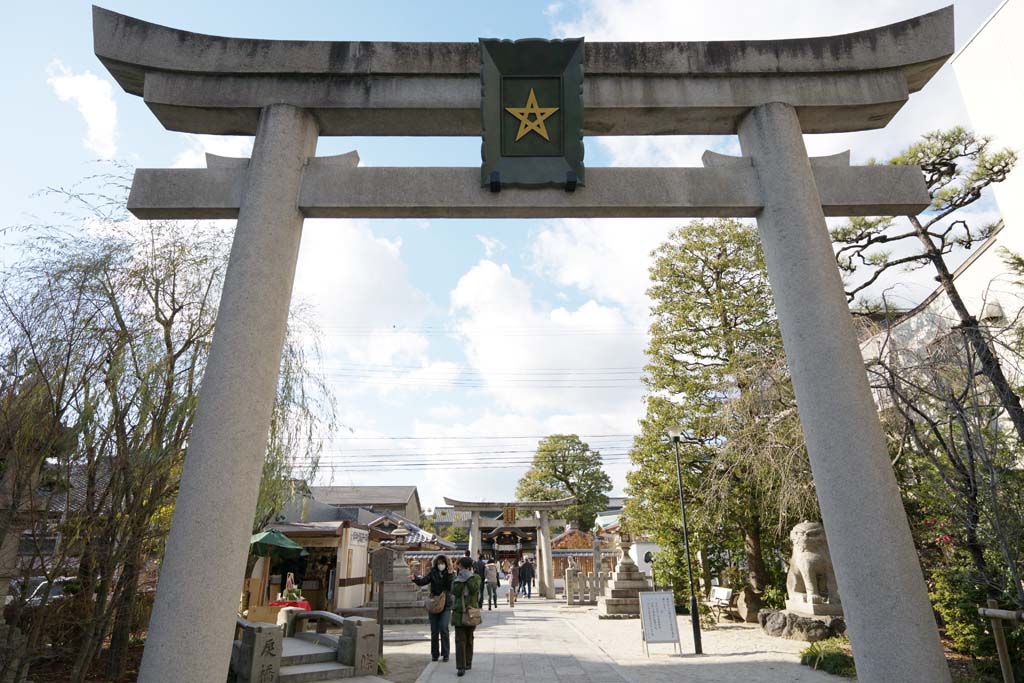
(475, 336)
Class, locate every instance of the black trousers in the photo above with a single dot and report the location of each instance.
(464, 647)
(439, 642)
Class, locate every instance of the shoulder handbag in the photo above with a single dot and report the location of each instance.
(471, 616)
(435, 603)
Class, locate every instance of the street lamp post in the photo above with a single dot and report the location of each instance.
(694, 615)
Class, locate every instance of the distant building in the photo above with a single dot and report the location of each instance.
(615, 505)
(447, 517)
(339, 535)
(994, 101)
(986, 285)
(403, 500)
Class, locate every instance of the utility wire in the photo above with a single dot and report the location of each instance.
(462, 438)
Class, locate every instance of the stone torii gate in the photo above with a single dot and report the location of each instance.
(542, 510)
(288, 93)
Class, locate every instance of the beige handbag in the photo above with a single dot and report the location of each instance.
(471, 616)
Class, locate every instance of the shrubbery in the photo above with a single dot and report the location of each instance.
(830, 656)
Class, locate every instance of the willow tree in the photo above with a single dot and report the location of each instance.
(141, 302)
(714, 371)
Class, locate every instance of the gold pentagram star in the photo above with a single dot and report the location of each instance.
(523, 114)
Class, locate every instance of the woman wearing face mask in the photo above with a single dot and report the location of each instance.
(466, 596)
(440, 579)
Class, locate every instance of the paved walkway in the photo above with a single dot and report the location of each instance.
(546, 642)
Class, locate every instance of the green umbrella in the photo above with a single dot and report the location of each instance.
(275, 544)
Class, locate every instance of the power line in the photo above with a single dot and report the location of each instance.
(538, 369)
(436, 466)
(377, 453)
(457, 438)
(396, 458)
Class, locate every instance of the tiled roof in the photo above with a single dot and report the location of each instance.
(70, 495)
(449, 515)
(417, 534)
(363, 495)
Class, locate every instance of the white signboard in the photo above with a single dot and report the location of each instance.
(658, 617)
(358, 538)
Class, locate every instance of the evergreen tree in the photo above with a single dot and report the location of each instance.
(565, 466)
(715, 371)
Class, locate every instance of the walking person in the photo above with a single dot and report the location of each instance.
(439, 607)
(491, 582)
(513, 584)
(466, 589)
(526, 574)
(480, 569)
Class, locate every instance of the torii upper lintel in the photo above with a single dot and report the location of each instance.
(200, 83)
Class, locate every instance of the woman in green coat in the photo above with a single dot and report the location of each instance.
(465, 594)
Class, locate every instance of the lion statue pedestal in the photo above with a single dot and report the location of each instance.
(813, 608)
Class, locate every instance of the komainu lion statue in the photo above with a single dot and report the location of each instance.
(811, 579)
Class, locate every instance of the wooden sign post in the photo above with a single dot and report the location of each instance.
(382, 567)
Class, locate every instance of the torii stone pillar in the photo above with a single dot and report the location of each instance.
(220, 480)
(884, 595)
(474, 534)
(546, 571)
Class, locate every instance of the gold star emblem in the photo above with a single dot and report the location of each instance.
(523, 114)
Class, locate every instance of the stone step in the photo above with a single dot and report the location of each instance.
(618, 610)
(301, 651)
(634, 602)
(320, 671)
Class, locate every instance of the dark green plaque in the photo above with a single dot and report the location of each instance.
(532, 111)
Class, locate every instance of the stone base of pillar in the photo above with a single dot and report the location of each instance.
(403, 600)
(621, 598)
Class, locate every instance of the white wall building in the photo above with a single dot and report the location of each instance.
(989, 71)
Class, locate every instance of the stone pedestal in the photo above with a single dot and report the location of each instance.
(621, 598)
(813, 609)
(257, 656)
(796, 626)
(358, 646)
(403, 600)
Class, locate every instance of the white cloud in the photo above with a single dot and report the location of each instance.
(446, 411)
(533, 358)
(491, 245)
(194, 156)
(93, 97)
(743, 20)
(605, 258)
(499, 482)
(370, 313)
